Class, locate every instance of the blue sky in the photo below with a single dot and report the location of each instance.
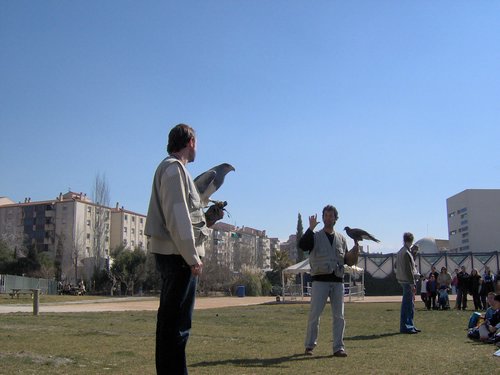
(382, 108)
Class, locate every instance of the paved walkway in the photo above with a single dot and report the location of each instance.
(151, 304)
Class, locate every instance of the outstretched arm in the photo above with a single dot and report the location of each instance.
(306, 242)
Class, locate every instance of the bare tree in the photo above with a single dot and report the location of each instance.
(100, 196)
(77, 248)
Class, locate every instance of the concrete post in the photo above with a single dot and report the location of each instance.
(36, 301)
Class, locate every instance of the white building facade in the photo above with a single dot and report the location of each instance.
(237, 247)
(474, 220)
(70, 229)
(127, 229)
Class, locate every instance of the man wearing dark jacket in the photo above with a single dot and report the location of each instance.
(463, 280)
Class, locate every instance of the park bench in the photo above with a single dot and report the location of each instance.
(18, 292)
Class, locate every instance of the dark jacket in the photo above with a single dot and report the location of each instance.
(463, 280)
(474, 284)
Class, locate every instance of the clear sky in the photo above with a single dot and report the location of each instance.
(381, 108)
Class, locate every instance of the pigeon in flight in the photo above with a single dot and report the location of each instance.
(210, 181)
(359, 234)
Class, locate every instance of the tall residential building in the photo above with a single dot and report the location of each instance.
(220, 244)
(274, 244)
(290, 247)
(237, 247)
(474, 220)
(127, 229)
(70, 228)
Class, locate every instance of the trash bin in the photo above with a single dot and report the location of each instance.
(240, 291)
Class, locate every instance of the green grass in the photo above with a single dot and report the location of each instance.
(243, 340)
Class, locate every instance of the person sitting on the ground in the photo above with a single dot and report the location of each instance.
(492, 325)
(490, 310)
(489, 329)
(431, 292)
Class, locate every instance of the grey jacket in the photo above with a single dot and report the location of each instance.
(325, 258)
(175, 220)
(405, 266)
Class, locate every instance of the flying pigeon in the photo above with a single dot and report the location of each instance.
(210, 181)
(359, 234)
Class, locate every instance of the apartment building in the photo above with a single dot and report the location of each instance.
(220, 244)
(237, 247)
(70, 228)
(474, 220)
(290, 247)
(127, 229)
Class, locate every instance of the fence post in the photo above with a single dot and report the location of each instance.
(36, 301)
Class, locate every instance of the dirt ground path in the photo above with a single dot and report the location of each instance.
(151, 304)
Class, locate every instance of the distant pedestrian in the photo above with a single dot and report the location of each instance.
(444, 278)
(434, 272)
(423, 290)
(454, 282)
(462, 288)
(432, 289)
(489, 280)
(405, 274)
(474, 284)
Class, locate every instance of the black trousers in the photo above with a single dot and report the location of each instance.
(174, 314)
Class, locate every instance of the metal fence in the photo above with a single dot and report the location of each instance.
(9, 282)
(382, 265)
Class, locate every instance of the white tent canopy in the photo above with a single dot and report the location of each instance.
(301, 267)
(304, 267)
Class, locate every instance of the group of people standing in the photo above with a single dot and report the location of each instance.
(435, 288)
(474, 284)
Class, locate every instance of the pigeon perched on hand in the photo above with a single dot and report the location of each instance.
(210, 181)
(359, 234)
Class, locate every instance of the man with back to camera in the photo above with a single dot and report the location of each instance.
(177, 229)
(405, 274)
(327, 255)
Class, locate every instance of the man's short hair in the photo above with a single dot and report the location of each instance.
(179, 137)
(408, 237)
(331, 208)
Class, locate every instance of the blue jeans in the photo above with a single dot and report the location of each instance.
(174, 314)
(320, 292)
(407, 309)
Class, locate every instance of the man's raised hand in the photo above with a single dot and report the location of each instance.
(313, 221)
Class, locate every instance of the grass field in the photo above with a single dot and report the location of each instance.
(266, 339)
